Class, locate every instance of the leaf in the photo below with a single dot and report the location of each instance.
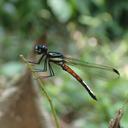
(83, 6)
(61, 9)
(11, 68)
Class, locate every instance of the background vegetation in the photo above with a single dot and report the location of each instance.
(90, 30)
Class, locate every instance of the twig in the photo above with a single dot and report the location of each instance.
(43, 91)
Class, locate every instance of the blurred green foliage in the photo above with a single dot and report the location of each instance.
(93, 30)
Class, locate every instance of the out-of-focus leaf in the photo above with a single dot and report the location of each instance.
(61, 9)
(82, 6)
(10, 69)
(99, 2)
(9, 9)
(89, 21)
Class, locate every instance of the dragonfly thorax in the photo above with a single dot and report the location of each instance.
(55, 57)
(40, 49)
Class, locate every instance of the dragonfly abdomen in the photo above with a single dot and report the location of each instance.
(69, 70)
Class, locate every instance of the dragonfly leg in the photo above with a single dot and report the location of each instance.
(50, 69)
(43, 77)
(38, 62)
(44, 69)
(51, 72)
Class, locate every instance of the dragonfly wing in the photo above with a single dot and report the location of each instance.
(72, 61)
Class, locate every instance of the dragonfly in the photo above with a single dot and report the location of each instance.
(59, 59)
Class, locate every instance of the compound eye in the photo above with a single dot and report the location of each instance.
(38, 49)
(45, 48)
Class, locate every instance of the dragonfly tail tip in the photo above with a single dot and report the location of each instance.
(95, 98)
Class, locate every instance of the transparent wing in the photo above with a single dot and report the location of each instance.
(72, 61)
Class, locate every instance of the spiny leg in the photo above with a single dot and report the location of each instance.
(38, 62)
(44, 69)
(50, 69)
(51, 72)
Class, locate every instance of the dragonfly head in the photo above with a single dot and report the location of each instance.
(40, 49)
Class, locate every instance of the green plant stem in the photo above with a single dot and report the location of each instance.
(40, 82)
